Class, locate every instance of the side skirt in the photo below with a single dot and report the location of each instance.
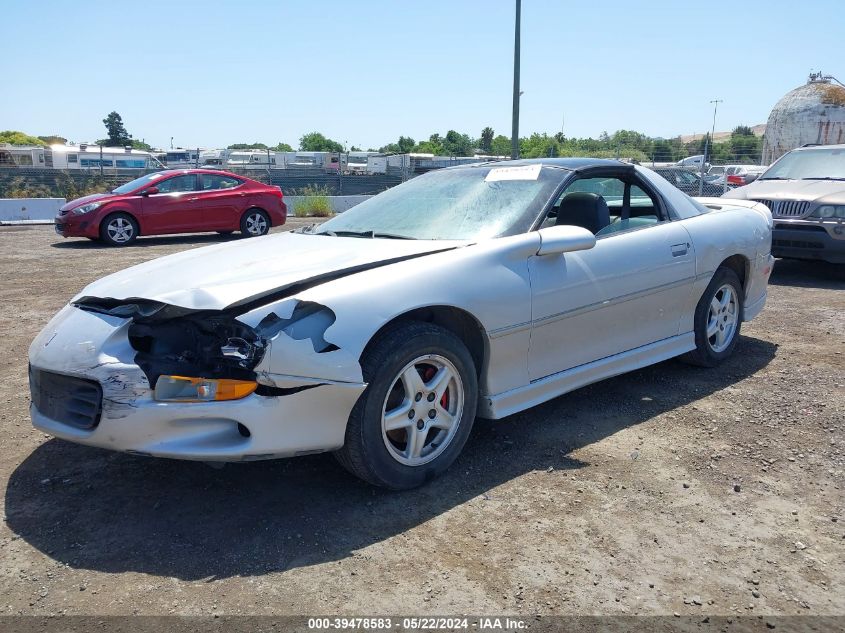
(543, 389)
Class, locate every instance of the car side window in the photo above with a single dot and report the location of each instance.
(686, 177)
(628, 206)
(642, 211)
(177, 184)
(217, 181)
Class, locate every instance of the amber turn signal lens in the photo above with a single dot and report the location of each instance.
(187, 389)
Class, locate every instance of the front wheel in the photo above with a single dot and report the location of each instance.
(718, 318)
(416, 414)
(119, 229)
(255, 222)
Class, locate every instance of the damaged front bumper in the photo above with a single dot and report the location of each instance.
(289, 414)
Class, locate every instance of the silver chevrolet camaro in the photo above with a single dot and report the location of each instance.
(472, 291)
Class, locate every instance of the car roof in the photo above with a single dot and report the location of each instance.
(572, 164)
(198, 170)
(811, 146)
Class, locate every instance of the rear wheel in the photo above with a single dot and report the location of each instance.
(119, 229)
(255, 222)
(718, 319)
(416, 414)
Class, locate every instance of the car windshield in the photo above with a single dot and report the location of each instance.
(453, 204)
(809, 164)
(132, 185)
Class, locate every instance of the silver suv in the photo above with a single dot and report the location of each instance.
(805, 191)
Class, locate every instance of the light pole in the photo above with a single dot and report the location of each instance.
(516, 92)
(171, 142)
(709, 142)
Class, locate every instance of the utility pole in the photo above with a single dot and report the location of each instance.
(516, 92)
(709, 142)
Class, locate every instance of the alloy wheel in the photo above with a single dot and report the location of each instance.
(422, 410)
(256, 224)
(120, 230)
(722, 318)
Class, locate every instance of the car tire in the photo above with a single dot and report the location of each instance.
(418, 442)
(118, 229)
(718, 320)
(255, 222)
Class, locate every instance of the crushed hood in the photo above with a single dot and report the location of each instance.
(830, 191)
(226, 275)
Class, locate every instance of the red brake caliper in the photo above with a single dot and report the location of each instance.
(428, 374)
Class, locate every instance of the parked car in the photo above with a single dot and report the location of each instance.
(741, 175)
(714, 173)
(174, 201)
(805, 190)
(382, 333)
(688, 182)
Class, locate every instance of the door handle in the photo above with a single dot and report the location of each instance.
(679, 250)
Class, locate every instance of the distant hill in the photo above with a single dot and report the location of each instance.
(758, 130)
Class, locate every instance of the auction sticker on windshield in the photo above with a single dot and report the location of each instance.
(528, 172)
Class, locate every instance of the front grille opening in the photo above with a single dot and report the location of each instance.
(67, 399)
(797, 244)
(800, 227)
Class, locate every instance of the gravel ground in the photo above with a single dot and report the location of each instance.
(669, 490)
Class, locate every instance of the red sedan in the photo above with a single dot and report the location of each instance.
(175, 201)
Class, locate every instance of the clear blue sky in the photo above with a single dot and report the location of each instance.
(210, 73)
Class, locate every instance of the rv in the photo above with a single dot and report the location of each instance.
(356, 162)
(251, 159)
(182, 158)
(21, 155)
(213, 157)
(306, 160)
(89, 157)
(77, 157)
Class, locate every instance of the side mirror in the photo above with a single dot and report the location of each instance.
(149, 191)
(555, 240)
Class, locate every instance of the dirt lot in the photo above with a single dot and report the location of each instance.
(670, 490)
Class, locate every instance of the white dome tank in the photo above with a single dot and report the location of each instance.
(813, 113)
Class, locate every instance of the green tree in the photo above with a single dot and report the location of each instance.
(539, 146)
(485, 143)
(404, 145)
(456, 144)
(117, 134)
(500, 146)
(661, 151)
(283, 147)
(14, 137)
(316, 142)
(136, 144)
(743, 146)
(248, 146)
(54, 139)
(434, 145)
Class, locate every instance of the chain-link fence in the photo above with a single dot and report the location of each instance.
(692, 163)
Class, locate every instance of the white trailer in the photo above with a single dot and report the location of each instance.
(252, 159)
(95, 157)
(182, 158)
(21, 155)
